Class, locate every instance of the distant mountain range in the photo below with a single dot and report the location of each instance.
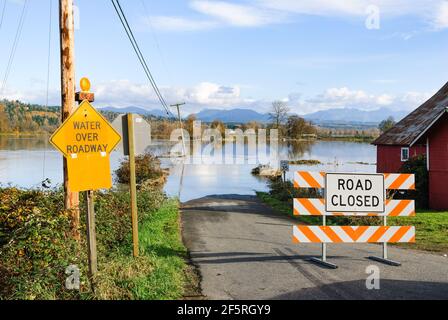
(354, 115)
(240, 115)
(233, 115)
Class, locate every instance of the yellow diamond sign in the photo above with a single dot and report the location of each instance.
(86, 139)
(85, 132)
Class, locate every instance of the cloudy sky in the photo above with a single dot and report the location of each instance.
(314, 54)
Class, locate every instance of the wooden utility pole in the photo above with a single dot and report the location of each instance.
(177, 105)
(67, 42)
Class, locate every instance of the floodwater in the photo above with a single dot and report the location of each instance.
(26, 161)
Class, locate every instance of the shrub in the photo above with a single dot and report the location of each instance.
(416, 165)
(285, 191)
(36, 245)
(147, 170)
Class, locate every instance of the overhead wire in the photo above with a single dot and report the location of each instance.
(140, 56)
(150, 76)
(2, 16)
(44, 180)
(14, 46)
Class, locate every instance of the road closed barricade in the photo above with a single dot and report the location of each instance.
(354, 194)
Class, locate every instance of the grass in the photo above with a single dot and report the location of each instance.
(36, 248)
(348, 138)
(305, 162)
(160, 240)
(431, 230)
(159, 273)
(431, 227)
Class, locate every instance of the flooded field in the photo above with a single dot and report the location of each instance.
(27, 161)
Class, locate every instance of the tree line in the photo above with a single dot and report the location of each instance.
(19, 117)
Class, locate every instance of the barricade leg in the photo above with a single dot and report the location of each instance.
(385, 258)
(323, 261)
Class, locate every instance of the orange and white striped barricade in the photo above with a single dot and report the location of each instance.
(353, 194)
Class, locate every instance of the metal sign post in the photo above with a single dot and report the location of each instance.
(385, 258)
(91, 234)
(133, 184)
(284, 166)
(323, 261)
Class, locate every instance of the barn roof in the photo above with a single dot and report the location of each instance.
(415, 124)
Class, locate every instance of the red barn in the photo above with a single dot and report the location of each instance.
(423, 131)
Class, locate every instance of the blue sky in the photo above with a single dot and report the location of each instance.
(313, 54)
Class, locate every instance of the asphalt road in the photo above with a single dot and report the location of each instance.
(244, 250)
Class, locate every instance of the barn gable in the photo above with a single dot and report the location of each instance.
(413, 126)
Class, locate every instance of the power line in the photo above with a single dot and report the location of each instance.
(3, 14)
(15, 44)
(134, 43)
(48, 83)
(142, 59)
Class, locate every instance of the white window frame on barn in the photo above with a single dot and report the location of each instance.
(403, 159)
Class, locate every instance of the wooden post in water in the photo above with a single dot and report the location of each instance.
(67, 40)
(177, 105)
(133, 183)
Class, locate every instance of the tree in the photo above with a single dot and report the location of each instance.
(279, 113)
(386, 124)
(297, 126)
(219, 125)
(253, 125)
(4, 123)
(189, 124)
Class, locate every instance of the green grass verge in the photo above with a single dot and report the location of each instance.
(160, 239)
(159, 272)
(431, 227)
(431, 230)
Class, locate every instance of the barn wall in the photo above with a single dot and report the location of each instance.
(438, 165)
(389, 157)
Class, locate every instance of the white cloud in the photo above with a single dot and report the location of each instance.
(344, 97)
(352, 7)
(32, 94)
(441, 20)
(235, 14)
(124, 93)
(179, 24)
(257, 13)
(318, 7)
(218, 14)
(434, 12)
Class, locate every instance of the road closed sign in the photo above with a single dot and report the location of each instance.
(354, 193)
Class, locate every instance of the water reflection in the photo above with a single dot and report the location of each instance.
(16, 143)
(26, 161)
